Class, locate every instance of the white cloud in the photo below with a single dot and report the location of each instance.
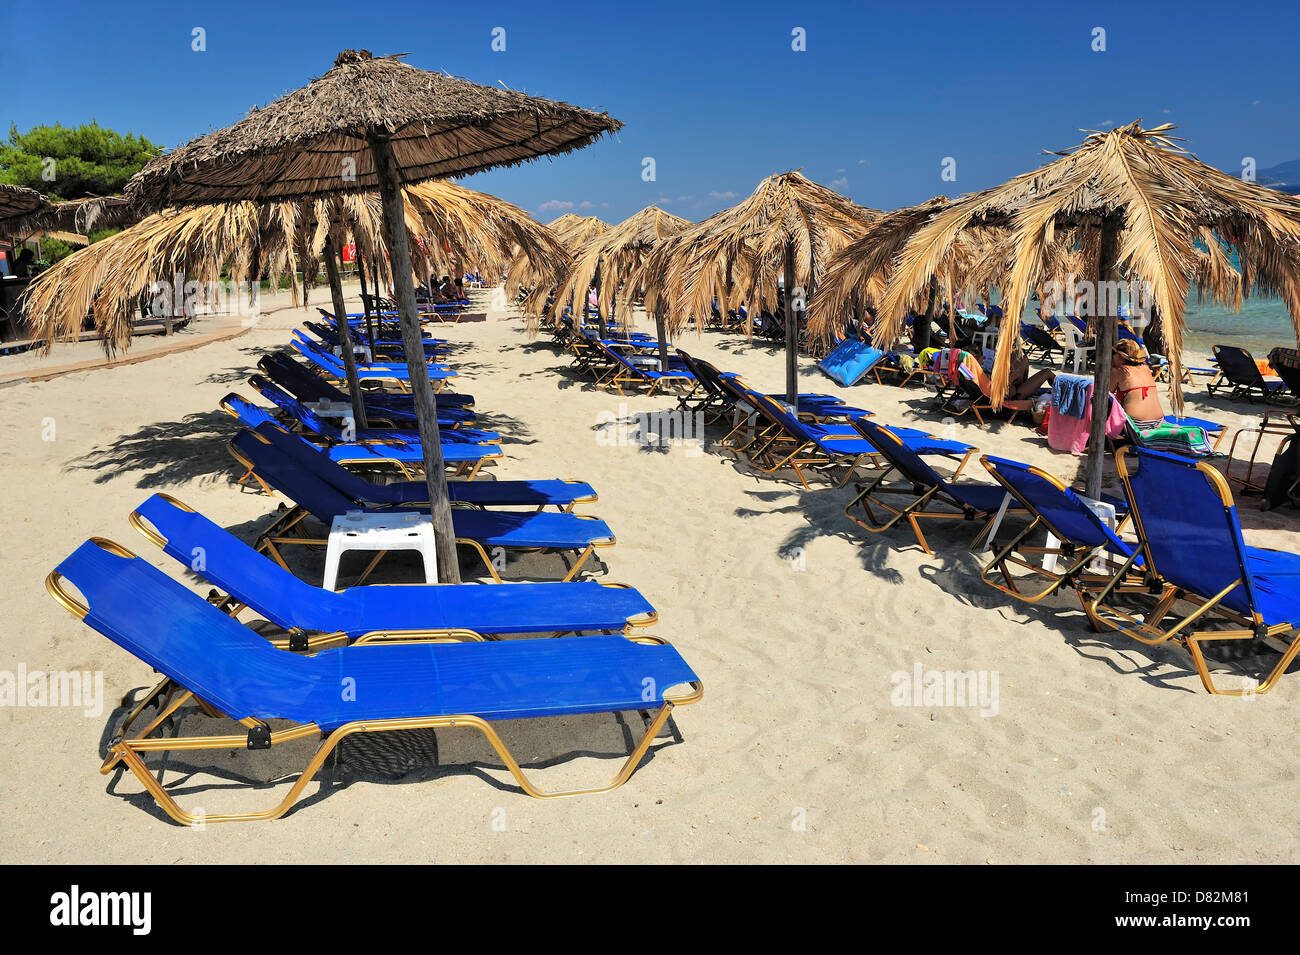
(1166, 111)
(722, 195)
(840, 183)
(555, 205)
(1106, 124)
(685, 198)
(586, 204)
(841, 170)
(864, 162)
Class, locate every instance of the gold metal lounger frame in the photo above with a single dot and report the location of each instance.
(129, 750)
(1105, 616)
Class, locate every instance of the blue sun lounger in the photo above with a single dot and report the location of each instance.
(318, 425)
(397, 420)
(1040, 345)
(479, 529)
(1193, 552)
(316, 617)
(560, 494)
(383, 350)
(211, 659)
(466, 458)
(391, 373)
(923, 487)
(795, 444)
(1083, 540)
(281, 367)
(627, 371)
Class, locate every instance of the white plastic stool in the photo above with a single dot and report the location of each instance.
(357, 530)
(1106, 513)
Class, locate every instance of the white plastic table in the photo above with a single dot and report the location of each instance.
(357, 530)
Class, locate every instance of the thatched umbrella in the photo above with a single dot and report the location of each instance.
(573, 230)
(247, 240)
(80, 215)
(1139, 206)
(19, 201)
(616, 256)
(375, 123)
(789, 224)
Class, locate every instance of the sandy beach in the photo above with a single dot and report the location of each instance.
(1095, 750)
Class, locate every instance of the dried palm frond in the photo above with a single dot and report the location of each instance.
(736, 256)
(1160, 200)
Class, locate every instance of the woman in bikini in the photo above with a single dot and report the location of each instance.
(1131, 382)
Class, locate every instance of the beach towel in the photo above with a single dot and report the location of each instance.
(1070, 434)
(1185, 439)
(1071, 395)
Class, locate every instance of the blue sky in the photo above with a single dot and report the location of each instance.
(712, 91)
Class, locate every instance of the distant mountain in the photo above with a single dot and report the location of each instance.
(1285, 177)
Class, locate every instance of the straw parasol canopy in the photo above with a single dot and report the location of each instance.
(373, 123)
(1158, 204)
(574, 230)
(736, 255)
(80, 215)
(19, 201)
(616, 255)
(1141, 208)
(245, 240)
(439, 126)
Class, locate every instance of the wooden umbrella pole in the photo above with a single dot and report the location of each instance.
(426, 407)
(791, 331)
(345, 335)
(365, 301)
(1108, 259)
(663, 337)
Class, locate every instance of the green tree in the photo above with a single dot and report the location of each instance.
(71, 163)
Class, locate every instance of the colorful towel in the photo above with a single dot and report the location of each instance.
(1070, 395)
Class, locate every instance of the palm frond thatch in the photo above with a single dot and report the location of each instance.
(1162, 202)
(445, 223)
(313, 139)
(18, 201)
(735, 256)
(616, 254)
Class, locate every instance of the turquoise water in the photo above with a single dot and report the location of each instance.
(1261, 325)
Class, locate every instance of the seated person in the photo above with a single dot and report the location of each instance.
(1021, 384)
(1132, 383)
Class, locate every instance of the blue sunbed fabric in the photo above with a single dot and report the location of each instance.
(491, 528)
(1195, 541)
(1064, 510)
(286, 601)
(850, 360)
(334, 366)
(281, 364)
(452, 452)
(907, 461)
(553, 493)
(326, 429)
(184, 637)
